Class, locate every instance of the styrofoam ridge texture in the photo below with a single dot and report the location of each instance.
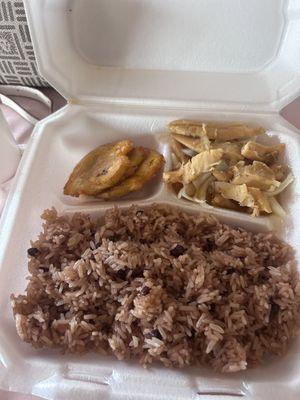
(175, 53)
(56, 146)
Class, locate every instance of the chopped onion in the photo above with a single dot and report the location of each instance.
(202, 190)
(175, 162)
(284, 184)
(276, 207)
(190, 189)
(201, 179)
(193, 199)
(222, 166)
(179, 194)
(182, 193)
(189, 152)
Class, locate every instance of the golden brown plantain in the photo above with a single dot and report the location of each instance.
(146, 171)
(136, 157)
(100, 169)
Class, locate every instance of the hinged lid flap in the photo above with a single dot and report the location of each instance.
(237, 55)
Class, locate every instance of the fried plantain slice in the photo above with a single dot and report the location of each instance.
(214, 130)
(145, 172)
(136, 157)
(100, 169)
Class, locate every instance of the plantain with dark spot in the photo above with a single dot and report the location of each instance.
(100, 169)
(145, 172)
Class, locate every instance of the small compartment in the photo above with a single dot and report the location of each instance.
(273, 135)
(84, 132)
(101, 134)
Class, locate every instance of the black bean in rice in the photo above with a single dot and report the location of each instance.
(159, 285)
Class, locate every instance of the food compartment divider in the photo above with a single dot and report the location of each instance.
(101, 133)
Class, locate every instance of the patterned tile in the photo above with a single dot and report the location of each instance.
(17, 61)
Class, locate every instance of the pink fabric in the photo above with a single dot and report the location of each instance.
(21, 130)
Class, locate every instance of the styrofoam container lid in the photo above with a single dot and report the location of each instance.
(238, 54)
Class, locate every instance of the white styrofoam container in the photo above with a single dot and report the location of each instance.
(127, 68)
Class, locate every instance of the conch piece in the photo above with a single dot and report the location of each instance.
(249, 197)
(177, 149)
(100, 169)
(221, 176)
(214, 131)
(222, 172)
(259, 152)
(190, 189)
(280, 171)
(202, 190)
(226, 167)
(196, 144)
(219, 201)
(145, 172)
(257, 175)
(175, 162)
(174, 176)
(199, 164)
(261, 202)
(231, 151)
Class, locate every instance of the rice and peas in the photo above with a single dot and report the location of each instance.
(158, 284)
